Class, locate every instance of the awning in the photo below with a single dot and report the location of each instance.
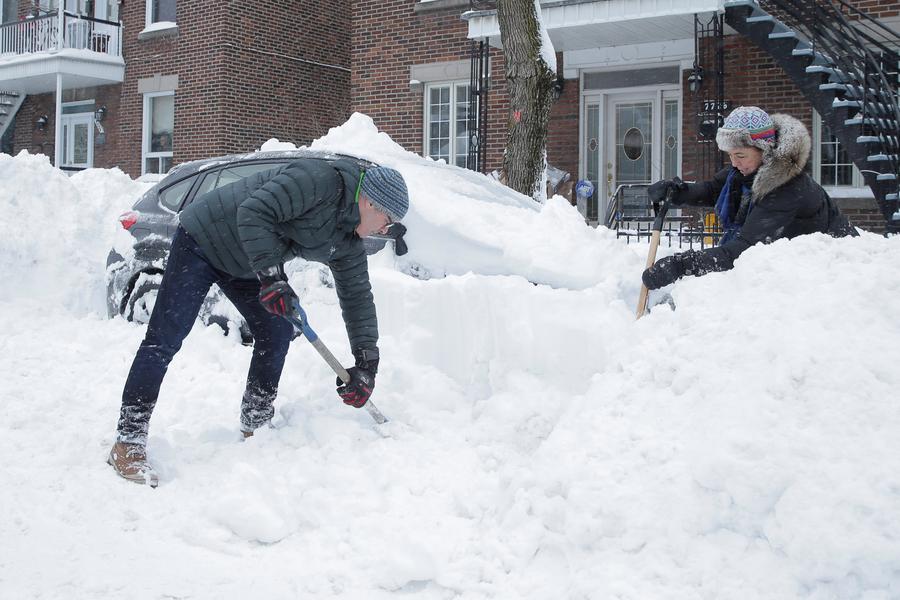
(583, 24)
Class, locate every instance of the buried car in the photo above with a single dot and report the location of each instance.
(133, 274)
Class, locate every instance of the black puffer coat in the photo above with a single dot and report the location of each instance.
(784, 201)
(306, 208)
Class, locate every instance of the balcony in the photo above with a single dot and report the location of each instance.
(33, 53)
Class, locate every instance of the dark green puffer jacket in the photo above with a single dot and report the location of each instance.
(306, 208)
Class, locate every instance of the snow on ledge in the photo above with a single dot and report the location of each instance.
(158, 27)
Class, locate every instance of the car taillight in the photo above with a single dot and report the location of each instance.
(128, 219)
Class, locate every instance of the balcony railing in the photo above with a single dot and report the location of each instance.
(41, 34)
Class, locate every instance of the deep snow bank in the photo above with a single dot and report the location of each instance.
(56, 231)
(543, 444)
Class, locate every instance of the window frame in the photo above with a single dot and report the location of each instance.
(146, 133)
(148, 15)
(426, 133)
(856, 178)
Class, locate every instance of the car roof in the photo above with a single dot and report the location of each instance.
(189, 168)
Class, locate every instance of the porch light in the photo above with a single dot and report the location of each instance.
(695, 79)
(41, 123)
(558, 85)
(100, 113)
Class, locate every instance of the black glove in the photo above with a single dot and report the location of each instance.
(657, 191)
(397, 231)
(356, 392)
(275, 294)
(663, 272)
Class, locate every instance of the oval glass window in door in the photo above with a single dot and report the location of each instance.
(633, 136)
(633, 143)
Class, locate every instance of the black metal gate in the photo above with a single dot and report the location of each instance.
(707, 85)
(479, 80)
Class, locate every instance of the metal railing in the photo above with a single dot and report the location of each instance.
(41, 34)
(863, 49)
(630, 213)
(864, 55)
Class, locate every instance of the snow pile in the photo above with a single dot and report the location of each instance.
(461, 221)
(57, 230)
(542, 443)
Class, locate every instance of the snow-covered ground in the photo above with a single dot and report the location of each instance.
(542, 443)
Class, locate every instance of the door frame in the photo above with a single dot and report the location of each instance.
(67, 122)
(604, 98)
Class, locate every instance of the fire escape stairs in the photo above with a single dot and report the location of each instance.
(862, 114)
(9, 106)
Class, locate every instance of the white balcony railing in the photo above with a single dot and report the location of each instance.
(41, 34)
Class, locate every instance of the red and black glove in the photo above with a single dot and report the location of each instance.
(357, 391)
(275, 294)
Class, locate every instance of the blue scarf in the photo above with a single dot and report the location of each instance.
(730, 229)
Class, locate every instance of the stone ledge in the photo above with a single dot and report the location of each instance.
(441, 6)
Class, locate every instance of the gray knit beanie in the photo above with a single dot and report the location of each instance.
(387, 190)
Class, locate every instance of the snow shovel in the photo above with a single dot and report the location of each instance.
(300, 323)
(654, 243)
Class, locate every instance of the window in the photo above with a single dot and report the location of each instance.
(159, 127)
(671, 138)
(7, 11)
(160, 11)
(447, 117)
(831, 163)
(72, 6)
(172, 196)
(223, 177)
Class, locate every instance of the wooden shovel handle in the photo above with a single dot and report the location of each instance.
(654, 244)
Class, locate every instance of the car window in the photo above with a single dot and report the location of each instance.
(225, 176)
(172, 196)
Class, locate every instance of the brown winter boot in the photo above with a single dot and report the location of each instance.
(130, 462)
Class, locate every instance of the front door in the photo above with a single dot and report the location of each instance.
(631, 138)
(78, 140)
(631, 153)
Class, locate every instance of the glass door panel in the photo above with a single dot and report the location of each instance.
(592, 149)
(633, 140)
(78, 140)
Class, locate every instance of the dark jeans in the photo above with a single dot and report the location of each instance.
(185, 284)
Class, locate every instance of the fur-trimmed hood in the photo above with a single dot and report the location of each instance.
(786, 159)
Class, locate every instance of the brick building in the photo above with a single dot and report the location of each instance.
(147, 84)
(627, 112)
(150, 83)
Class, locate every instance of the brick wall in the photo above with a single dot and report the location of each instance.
(246, 72)
(287, 71)
(562, 139)
(107, 149)
(389, 37)
(862, 212)
(881, 9)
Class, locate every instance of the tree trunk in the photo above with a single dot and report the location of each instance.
(531, 82)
